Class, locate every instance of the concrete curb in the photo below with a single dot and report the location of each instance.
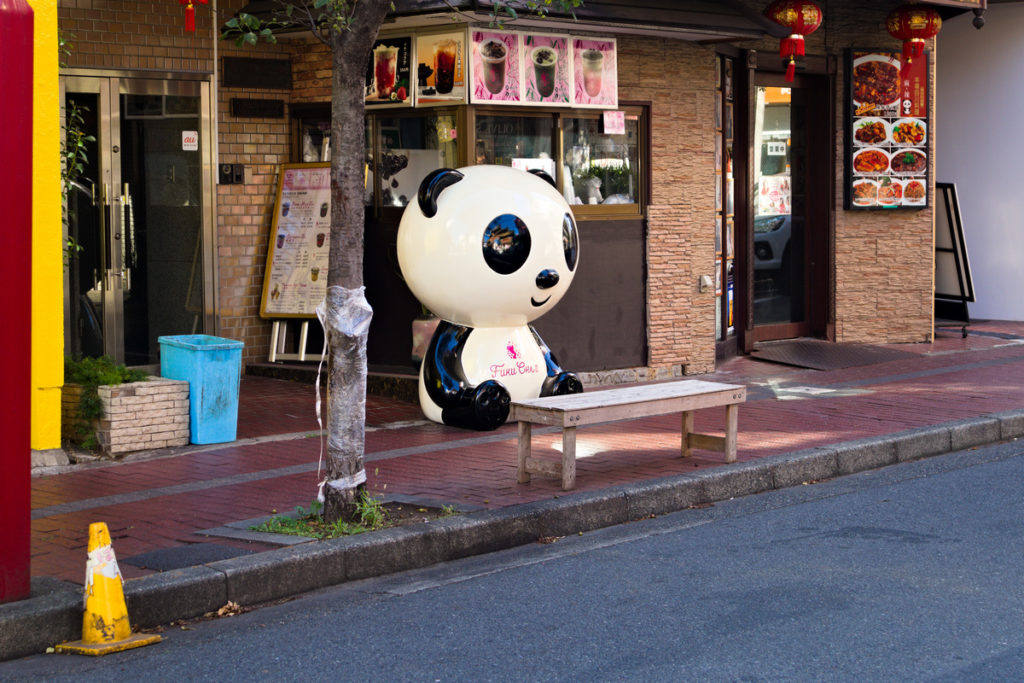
(54, 612)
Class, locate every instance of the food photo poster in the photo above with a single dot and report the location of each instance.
(388, 73)
(886, 132)
(441, 74)
(595, 73)
(495, 67)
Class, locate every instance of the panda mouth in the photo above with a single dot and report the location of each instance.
(539, 303)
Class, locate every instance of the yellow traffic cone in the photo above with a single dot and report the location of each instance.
(105, 626)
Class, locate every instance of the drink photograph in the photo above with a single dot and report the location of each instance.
(440, 69)
(546, 69)
(496, 74)
(387, 76)
(594, 73)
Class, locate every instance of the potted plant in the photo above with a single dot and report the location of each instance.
(111, 409)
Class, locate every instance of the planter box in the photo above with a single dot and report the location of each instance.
(136, 416)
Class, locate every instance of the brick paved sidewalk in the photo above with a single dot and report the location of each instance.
(161, 500)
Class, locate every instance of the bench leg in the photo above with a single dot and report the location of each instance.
(687, 430)
(568, 458)
(525, 437)
(732, 421)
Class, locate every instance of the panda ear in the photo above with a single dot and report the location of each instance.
(543, 175)
(433, 185)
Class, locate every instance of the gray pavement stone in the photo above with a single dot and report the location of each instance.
(735, 480)
(864, 454)
(252, 579)
(1011, 424)
(973, 432)
(52, 614)
(811, 464)
(920, 443)
(661, 496)
(183, 593)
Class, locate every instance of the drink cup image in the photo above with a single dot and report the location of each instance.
(544, 62)
(285, 208)
(445, 55)
(320, 239)
(493, 54)
(314, 274)
(385, 60)
(280, 240)
(323, 210)
(593, 71)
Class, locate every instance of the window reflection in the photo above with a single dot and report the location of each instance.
(410, 148)
(600, 168)
(523, 142)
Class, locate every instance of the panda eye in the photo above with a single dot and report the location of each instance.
(506, 244)
(570, 241)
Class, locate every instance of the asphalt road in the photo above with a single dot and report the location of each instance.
(913, 572)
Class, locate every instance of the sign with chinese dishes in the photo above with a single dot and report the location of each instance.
(495, 67)
(886, 132)
(595, 82)
(295, 280)
(441, 73)
(387, 74)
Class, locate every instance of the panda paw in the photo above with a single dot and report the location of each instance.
(491, 403)
(566, 383)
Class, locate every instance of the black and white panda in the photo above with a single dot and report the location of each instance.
(488, 249)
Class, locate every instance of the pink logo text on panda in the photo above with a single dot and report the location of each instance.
(513, 369)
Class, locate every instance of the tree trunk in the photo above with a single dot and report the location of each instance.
(348, 314)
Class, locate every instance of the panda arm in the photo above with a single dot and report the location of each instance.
(478, 407)
(558, 381)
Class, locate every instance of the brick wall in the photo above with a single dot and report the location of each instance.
(681, 216)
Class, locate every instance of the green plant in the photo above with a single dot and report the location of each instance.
(90, 374)
(73, 156)
(309, 521)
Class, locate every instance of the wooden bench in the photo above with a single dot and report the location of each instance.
(575, 410)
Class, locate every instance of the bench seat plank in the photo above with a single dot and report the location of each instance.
(574, 410)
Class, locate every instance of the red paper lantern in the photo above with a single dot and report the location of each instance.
(913, 24)
(802, 18)
(190, 13)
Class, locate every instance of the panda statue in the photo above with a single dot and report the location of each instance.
(487, 249)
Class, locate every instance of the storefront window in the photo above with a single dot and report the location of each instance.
(519, 141)
(410, 148)
(600, 168)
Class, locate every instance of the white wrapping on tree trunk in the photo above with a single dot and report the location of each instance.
(345, 315)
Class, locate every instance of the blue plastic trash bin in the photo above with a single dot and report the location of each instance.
(212, 367)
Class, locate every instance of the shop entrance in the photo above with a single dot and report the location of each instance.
(138, 215)
(787, 294)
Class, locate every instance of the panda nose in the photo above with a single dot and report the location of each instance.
(547, 279)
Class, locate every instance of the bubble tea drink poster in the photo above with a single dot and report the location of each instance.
(595, 73)
(441, 68)
(546, 70)
(387, 75)
(496, 73)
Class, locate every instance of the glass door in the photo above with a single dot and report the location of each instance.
(138, 212)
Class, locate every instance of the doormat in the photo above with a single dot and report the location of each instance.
(179, 557)
(822, 355)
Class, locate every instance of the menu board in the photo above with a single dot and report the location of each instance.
(886, 132)
(295, 280)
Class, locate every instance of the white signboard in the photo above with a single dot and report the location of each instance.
(190, 141)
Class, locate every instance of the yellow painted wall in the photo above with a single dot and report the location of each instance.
(47, 234)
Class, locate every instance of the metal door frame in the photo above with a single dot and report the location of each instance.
(109, 86)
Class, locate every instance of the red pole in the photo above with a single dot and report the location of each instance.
(16, 265)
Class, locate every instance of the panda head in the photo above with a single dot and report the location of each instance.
(488, 246)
